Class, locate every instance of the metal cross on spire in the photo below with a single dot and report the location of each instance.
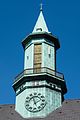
(41, 6)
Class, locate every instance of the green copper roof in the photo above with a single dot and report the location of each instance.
(40, 25)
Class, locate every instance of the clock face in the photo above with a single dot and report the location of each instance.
(35, 102)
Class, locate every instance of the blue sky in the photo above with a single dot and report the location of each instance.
(17, 20)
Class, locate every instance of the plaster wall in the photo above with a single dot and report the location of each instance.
(54, 100)
(28, 57)
(48, 56)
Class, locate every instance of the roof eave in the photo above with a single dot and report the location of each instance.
(41, 35)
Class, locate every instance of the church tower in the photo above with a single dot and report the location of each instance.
(39, 88)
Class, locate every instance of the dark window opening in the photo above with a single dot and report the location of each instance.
(39, 29)
(27, 57)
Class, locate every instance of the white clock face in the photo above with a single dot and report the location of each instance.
(35, 102)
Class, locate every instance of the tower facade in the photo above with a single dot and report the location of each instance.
(39, 88)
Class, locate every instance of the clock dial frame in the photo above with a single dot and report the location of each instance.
(35, 102)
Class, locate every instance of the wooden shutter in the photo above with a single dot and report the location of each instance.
(37, 57)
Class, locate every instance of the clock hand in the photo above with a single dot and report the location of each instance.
(37, 101)
(34, 101)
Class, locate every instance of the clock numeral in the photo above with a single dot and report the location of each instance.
(42, 104)
(39, 94)
(39, 107)
(27, 101)
(27, 105)
(27, 97)
(42, 96)
(30, 108)
(35, 93)
(31, 94)
(34, 109)
(43, 100)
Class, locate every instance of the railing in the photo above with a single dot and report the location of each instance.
(41, 70)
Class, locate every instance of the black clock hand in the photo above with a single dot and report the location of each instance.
(38, 100)
(34, 101)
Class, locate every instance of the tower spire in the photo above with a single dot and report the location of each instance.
(40, 25)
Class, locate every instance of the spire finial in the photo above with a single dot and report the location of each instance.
(41, 6)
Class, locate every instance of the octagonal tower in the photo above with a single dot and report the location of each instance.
(39, 88)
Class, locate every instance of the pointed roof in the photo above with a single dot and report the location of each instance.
(40, 25)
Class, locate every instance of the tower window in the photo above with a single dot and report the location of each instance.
(21, 87)
(54, 86)
(39, 29)
(49, 55)
(35, 83)
(27, 57)
(49, 51)
(51, 84)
